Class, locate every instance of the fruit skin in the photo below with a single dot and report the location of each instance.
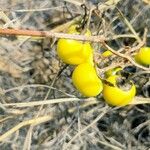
(107, 53)
(143, 56)
(85, 79)
(72, 51)
(113, 71)
(116, 96)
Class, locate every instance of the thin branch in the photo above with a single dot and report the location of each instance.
(46, 102)
(75, 2)
(106, 109)
(123, 36)
(140, 73)
(137, 100)
(140, 100)
(125, 57)
(39, 9)
(52, 34)
(35, 86)
(129, 25)
(42, 34)
(100, 39)
(114, 65)
(141, 43)
(34, 122)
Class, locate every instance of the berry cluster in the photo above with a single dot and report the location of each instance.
(80, 53)
(85, 77)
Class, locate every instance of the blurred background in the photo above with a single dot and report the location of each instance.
(30, 70)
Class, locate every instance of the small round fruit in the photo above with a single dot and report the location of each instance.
(115, 95)
(113, 71)
(72, 51)
(107, 53)
(85, 79)
(143, 56)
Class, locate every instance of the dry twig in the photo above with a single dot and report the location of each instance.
(125, 57)
(51, 34)
(33, 122)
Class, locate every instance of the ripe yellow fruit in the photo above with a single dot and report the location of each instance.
(90, 60)
(116, 96)
(85, 79)
(72, 51)
(107, 53)
(113, 71)
(143, 56)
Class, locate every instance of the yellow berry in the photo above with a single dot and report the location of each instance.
(143, 56)
(72, 51)
(115, 95)
(107, 53)
(85, 79)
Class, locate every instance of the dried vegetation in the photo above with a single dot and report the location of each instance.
(39, 107)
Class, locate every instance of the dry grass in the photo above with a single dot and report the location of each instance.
(40, 109)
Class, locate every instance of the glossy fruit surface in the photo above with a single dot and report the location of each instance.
(72, 51)
(116, 96)
(85, 79)
(107, 53)
(143, 56)
(112, 71)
